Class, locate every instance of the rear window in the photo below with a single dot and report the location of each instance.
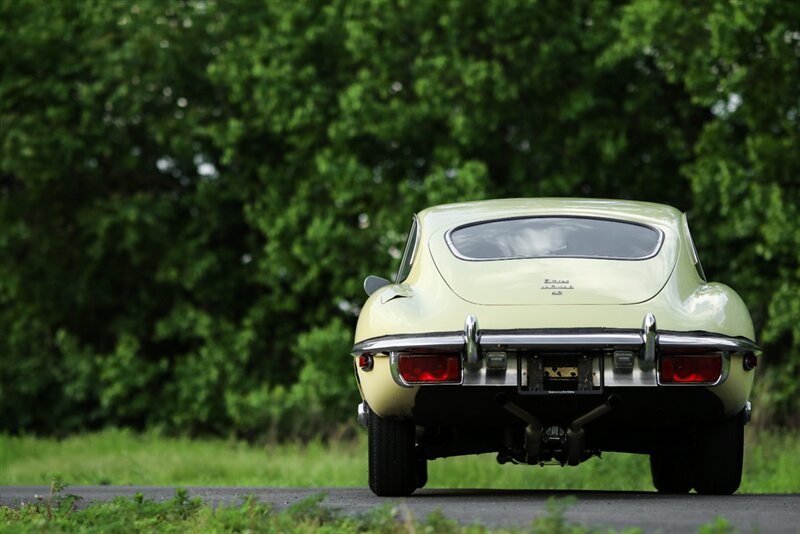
(554, 237)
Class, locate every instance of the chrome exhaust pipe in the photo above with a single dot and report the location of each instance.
(612, 402)
(533, 432)
(575, 433)
(512, 408)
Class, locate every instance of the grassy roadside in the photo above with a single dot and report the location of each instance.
(772, 464)
(59, 513)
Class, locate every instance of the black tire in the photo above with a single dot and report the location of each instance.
(422, 472)
(393, 464)
(718, 455)
(671, 470)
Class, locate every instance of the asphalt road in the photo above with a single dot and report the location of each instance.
(498, 508)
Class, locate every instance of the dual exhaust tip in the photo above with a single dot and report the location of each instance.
(613, 401)
(574, 436)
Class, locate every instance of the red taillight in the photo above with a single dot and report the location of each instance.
(430, 368)
(365, 362)
(694, 368)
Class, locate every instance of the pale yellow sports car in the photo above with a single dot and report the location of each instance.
(550, 330)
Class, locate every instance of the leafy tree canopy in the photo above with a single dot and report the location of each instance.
(192, 191)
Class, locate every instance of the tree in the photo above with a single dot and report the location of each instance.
(191, 192)
(741, 63)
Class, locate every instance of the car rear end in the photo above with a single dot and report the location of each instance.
(581, 333)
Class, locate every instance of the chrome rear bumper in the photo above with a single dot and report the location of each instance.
(640, 346)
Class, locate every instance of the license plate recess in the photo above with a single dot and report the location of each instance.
(560, 373)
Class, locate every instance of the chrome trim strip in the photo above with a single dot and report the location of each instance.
(692, 248)
(394, 360)
(436, 342)
(710, 341)
(416, 228)
(556, 340)
(536, 339)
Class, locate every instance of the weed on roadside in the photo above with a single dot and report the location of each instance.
(59, 513)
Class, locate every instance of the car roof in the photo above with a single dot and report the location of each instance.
(457, 214)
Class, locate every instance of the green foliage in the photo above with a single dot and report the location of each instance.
(182, 514)
(741, 62)
(720, 525)
(322, 393)
(192, 191)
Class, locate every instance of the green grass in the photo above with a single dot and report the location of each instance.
(59, 513)
(772, 464)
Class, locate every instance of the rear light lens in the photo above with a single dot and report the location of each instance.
(749, 361)
(430, 368)
(365, 362)
(691, 368)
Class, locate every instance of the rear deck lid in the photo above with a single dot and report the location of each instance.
(554, 260)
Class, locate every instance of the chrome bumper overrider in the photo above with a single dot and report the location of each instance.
(362, 414)
(476, 345)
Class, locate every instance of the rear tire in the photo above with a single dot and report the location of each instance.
(393, 466)
(671, 471)
(718, 455)
(422, 472)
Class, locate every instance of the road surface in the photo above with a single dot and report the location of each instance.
(497, 508)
